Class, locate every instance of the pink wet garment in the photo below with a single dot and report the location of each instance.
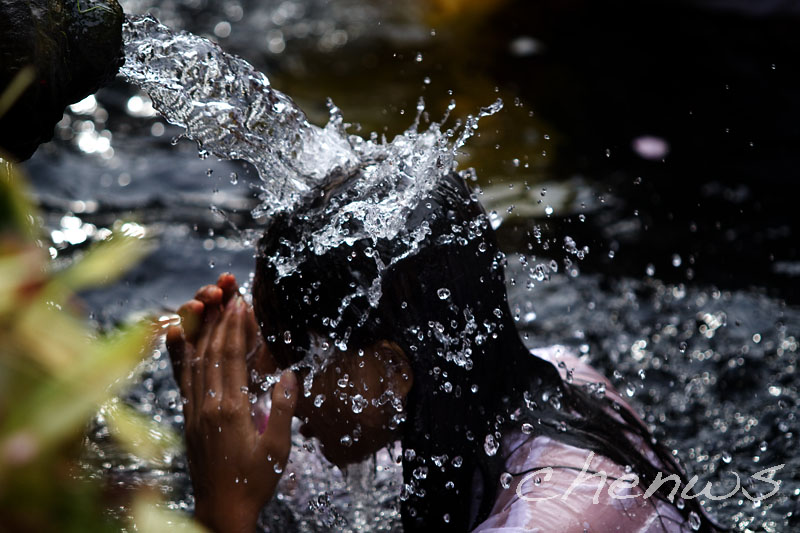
(577, 511)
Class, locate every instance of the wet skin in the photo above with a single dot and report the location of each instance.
(213, 351)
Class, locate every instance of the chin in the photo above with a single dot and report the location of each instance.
(342, 456)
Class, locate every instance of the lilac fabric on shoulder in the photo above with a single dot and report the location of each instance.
(563, 489)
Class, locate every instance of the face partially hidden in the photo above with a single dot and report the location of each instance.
(356, 402)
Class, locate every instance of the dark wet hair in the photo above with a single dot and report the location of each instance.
(445, 305)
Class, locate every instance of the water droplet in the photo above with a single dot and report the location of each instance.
(505, 480)
(443, 293)
(490, 445)
(318, 400)
(694, 521)
(234, 178)
(277, 468)
(358, 403)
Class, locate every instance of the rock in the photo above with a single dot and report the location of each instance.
(74, 47)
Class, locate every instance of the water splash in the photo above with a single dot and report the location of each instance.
(393, 179)
(232, 111)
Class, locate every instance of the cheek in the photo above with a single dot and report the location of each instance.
(335, 418)
(346, 408)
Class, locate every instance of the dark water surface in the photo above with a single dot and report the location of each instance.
(664, 140)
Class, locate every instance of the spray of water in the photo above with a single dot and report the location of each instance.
(232, 111)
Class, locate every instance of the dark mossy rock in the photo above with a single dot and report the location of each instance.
(74, 47)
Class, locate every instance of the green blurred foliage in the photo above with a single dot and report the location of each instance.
(56, 373)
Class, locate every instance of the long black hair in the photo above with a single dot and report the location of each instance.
(445, 304)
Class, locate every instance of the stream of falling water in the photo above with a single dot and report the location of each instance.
(232, 111)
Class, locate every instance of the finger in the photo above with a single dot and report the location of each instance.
(227, 282)
(254, 336)
(234, 367)
(213, 360)
(178, 353)
(191, 314)
(211, 296)
(276, 439)
(176, 346)
(197, 363)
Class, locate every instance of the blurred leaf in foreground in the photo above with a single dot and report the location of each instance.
(55, 373)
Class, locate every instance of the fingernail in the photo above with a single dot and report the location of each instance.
(262, 426)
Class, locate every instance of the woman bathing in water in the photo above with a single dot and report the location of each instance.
(495, 437)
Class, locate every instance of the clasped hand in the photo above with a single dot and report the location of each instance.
(235, 454)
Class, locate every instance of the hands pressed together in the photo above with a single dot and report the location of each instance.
(235, 455)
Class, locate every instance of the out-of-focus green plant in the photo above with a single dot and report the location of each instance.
(55, 373)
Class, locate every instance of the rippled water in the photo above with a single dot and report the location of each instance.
(711, 368)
